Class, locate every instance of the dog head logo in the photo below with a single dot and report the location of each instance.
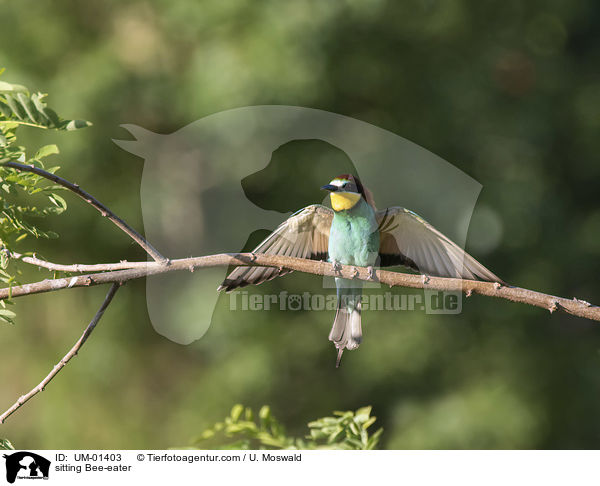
(26, 465)
(194, 199)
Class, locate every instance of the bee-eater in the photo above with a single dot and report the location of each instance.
(355, 233)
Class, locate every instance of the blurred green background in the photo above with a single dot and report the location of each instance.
(508, 91)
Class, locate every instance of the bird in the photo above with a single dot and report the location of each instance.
(354, 232)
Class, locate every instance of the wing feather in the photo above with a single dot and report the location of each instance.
(305, 234)
(407, 239)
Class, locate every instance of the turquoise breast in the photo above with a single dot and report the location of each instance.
(353, 238)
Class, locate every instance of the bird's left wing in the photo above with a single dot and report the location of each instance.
(305, 234)
(407, 239)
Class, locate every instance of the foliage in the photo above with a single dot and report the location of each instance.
(240, 430)
(5, 445)
(25, 198)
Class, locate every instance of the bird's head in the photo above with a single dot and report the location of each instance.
(345, 192)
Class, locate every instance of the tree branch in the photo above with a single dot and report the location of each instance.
(104, 211)
(551, 303)
(77, 267)
(61, 364)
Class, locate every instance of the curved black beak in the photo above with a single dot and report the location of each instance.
(330, 188)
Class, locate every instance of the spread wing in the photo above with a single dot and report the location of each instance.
(407, 239)
(305, 234)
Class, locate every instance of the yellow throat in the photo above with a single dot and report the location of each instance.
(343, 200)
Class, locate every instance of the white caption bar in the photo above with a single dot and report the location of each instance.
(301, 467)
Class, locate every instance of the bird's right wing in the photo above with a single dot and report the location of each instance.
(305, 234)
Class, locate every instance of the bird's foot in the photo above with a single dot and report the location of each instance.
(371, 273)
(336, 266)
(355, 272)
(426, 279)
(339, 357)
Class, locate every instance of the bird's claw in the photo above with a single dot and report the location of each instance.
(355, 272)
(336, 266)
(371, 272)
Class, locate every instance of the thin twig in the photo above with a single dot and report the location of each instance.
(77, 267)
(104, 211)
(551, 303)
(61, 364)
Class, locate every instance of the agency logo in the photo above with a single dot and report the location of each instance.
(225, 181)
(26, 465)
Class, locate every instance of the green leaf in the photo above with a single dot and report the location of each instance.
(36, 99)
(46, 150)
(52, 116)
(8, 87)
(7, 316)
(77, 124)
(363, 413)
(264, 413)
(236, 412)
(368, 423)
(58, 201)
(374, 439)
(29, 107)
(335, 435)
(15, 107)
(6, 445)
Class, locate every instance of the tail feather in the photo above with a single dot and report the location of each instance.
(346, 332)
